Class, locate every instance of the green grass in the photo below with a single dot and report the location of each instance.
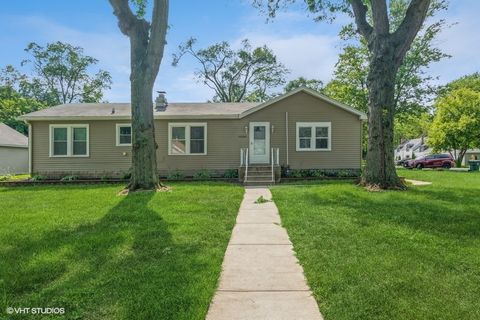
(14, 177)
(103, 256)
(389, 255)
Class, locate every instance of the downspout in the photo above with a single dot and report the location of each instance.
(362, 122)
(30, 139)
(286, 134)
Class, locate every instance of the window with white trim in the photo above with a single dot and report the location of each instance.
(69, 140)
(123, 134)
(314, 136)
(187, 138)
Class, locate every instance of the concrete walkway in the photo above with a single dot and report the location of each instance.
(261, 277)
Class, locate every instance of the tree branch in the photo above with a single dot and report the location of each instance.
(158, 33)
(408, 29)
(380, 17)
(125, 16)
(360, 12)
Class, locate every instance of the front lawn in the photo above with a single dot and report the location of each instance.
(103, 256)
(389, 255)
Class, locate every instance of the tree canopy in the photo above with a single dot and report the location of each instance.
(62, 73)
(456, 125)
(313, 84)
(414, 87)
(246, 74)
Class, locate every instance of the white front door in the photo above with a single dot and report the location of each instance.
(259, 142)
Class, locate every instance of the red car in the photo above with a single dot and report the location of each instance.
(431, 161)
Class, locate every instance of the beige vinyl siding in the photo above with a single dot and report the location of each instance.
(302, 107)
(224, 140)
(104, 156)
(224, 137)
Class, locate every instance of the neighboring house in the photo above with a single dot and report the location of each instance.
(13, 151)
(300, 130)
(413, 148)
(472, 154)
(418, 148)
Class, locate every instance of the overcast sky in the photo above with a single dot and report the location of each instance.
(307, 48)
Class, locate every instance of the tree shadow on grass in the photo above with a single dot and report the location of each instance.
(123, 266)
(432, 211)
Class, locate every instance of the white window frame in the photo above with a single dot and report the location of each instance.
(314, 125)
(69, 128)
(117, 134)
(187, 126)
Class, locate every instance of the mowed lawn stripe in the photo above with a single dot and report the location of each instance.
(103, 256)
(389, 255)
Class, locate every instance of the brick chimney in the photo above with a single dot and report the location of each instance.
(161, 101)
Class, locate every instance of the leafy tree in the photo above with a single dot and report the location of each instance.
(313, 84)
(12, 102)
(471, 81)
(235, 75)
(388, 41)
(456, 126)
(13, 105)
(410, 126)
(413, 86)
(62, 75)
(147, 42)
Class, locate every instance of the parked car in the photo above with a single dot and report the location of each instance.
(431, 161)
(402, 162)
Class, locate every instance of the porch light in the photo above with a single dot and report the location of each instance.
(246, 129)
(273, 128)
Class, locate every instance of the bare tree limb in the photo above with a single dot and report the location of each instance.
(360, 12)
(158, 33)
(125, 16)
(381, 23)
(408, 29)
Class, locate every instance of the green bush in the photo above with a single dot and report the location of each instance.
(176, 175)
(202, 175)
(231, 174)
(69, 178)
(319, 173)
(5, 177)
(38, 178)
(105, 177)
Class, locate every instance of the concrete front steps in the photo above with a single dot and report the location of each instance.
(259, 175)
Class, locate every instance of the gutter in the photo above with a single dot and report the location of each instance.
(13, 146)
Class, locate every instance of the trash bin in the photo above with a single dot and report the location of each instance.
(474, 165)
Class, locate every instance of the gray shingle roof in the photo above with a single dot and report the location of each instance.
(12, 138)
(122, 110)
(103, 111)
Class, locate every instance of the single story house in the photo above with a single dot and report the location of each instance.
(13, 151)
(302, 129)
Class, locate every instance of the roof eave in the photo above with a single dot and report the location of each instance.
(14, 146)
(113, 118)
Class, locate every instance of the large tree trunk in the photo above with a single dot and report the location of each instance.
(387, 50)
(144, 161)
(380, 168)
(144, 147)
(147, 42)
